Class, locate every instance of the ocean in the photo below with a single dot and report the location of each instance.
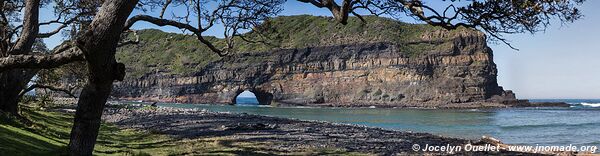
(577, 125)
(246, 101)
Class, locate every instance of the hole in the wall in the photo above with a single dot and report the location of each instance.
(246, 98)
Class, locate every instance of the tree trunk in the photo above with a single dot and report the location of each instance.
(10, 87)
(98, 45)
(87, 118)
(12, 82)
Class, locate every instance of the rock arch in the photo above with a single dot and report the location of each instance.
(263, 97)
(369, 74)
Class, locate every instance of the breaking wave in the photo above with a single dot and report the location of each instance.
(590, 104)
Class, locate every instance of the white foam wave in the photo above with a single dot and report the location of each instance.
(591, 104)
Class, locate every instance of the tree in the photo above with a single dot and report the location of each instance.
(235, 16)
(20, 40)
(97, 42)
(13, 81)
(494, 17)
(49, 79)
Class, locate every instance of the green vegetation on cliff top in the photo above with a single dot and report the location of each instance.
(181, 54)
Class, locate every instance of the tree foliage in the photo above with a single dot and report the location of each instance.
(235, 16)
(495, 17)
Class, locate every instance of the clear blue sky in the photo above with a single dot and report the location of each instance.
(562, 62)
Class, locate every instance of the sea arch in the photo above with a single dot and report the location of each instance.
(263, 97)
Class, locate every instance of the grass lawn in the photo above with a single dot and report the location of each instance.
(48, 134)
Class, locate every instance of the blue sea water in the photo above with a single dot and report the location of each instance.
(246, 101)
(574, 102)
(577, 125)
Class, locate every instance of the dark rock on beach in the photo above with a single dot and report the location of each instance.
(544, 104)
(285, 134)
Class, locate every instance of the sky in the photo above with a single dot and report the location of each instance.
(562, 62)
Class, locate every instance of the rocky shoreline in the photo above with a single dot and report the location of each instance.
(286, 134)
(469, 105)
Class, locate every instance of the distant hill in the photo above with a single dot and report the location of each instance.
(173, 53)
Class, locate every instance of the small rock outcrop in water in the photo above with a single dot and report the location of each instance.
(437, 68)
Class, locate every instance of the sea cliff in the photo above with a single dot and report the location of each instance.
(428, 67)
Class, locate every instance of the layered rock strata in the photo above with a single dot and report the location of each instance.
(439, 69)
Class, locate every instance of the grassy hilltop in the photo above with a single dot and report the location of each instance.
(180, 54)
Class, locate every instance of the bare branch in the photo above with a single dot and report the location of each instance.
(235, 16)
(165, 22)
(159, 22)
(63, 25)
(162, 12)
(53, 88)
(51, 33)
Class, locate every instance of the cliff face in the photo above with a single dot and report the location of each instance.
(436, 69)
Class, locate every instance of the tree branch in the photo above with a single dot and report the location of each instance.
(30, 28)
(53, 32)
(164, 8)
(313, 2)
(340, 13)
(63, 55)
(165, 22)
(53, 88)
(62, 26)
(159, 22)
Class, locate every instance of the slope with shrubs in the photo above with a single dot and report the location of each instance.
(174, 53)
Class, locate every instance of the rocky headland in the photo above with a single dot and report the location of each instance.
(382, 63)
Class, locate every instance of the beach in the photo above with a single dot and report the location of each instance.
(286, 135)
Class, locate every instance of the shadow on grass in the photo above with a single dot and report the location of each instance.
(48, 134)
(16, 141)
(53, 126)
(252, 147)
(245, 150)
